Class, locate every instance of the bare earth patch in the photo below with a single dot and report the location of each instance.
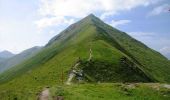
(44, 95)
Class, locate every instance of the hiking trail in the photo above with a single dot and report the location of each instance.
(44, 95)
(75, 70)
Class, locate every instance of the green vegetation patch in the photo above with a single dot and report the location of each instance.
(116, 91)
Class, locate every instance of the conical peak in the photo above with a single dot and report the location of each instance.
(92, 19)
(91, 15)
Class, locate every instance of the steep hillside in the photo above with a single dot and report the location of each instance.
(152, 62)
(116, 57)
(13, 61)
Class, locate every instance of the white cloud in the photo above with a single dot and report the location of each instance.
(119, 22)
(80, 8)
(160, 9)
(165, 50)
(52, 21)
(106, 14)
(121, 5)
(63, 10)
(52, 32)
(141, 34)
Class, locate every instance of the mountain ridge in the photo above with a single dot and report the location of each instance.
(6, 54)
(101, 27)
(117, 57)
(18, 58)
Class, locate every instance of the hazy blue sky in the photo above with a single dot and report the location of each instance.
(28, 23)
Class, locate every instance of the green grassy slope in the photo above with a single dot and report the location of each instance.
(104, 91)
(152, 62)
(116, 91)
(85, 37)
(59, 55)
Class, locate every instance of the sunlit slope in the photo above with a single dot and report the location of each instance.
(48, 72)
(82, 34)
(152, 62)
(52, 63)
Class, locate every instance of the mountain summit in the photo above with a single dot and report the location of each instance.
(18, 58)
(6, 54)
(98, 51)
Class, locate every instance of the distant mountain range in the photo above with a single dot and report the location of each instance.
(6, 54)
(102, 53)
(12, 60)
(2, 59)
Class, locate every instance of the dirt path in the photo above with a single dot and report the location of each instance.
(166, 86)
(44, 95)
(71, 76)
(90, 56)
